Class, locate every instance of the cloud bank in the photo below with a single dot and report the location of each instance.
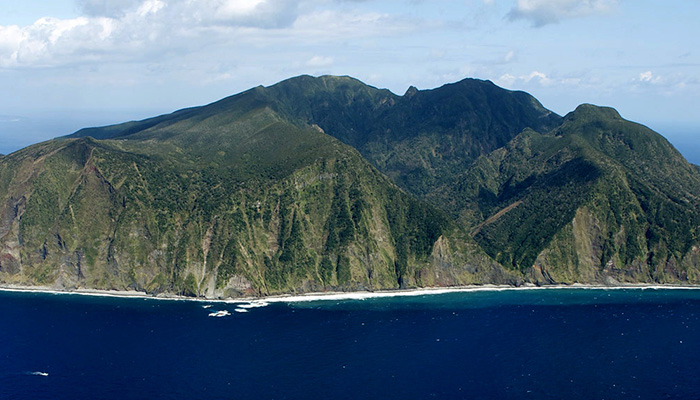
(124, 30)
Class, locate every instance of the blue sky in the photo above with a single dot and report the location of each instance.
(69, 63)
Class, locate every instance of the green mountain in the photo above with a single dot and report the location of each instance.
(222, 200)
(329, 184)
(596, 197)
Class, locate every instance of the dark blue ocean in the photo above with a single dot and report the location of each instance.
(531, 344)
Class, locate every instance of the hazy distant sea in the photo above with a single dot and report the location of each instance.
(19, 131)
(685, 137)
(531, 344)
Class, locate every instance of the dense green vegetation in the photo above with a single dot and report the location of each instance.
(636, 193)
(264, 207)
(261, 193)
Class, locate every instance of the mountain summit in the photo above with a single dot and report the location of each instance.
(327, 183)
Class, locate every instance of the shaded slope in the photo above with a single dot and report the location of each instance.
(599, 196)
(421, 139)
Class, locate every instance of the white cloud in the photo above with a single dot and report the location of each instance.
(150, 7)
(669, 84)
(106, 8)
(539, 77)
(319, 61)
(648, 77)
(543, 12)
(254, 13)
(329, 23)
(509, 56)
(51, 41)
(536, 78)
(240, 7)
(144, 30)
(506, 80)
(10, 39)
(119, 29)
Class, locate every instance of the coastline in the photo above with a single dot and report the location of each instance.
(337, 296)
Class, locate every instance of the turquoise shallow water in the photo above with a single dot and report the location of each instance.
(529, 344)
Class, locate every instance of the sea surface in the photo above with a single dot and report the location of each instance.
(513, 344)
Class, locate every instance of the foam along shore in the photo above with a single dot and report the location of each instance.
(222, 313)
(252, 302)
